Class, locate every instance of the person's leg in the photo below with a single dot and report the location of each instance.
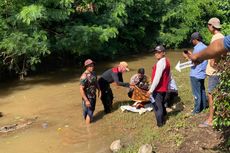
(213, 81)
(104, 86)
(203, 95)
(167, 99)
(163, 105)
(105, 98)
(211, 109)
(196, 94)
(158, 108)
(110, 99)
(87, 119)
(88, 111)
(85, 113)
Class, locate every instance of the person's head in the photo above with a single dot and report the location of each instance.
(195, 38)
(141, 72)
(123, 67)
(159, 52)
(214, 25)
(89, 65)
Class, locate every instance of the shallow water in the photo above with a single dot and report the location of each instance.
(55, 99)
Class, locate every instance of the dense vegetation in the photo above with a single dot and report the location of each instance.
(222, 95)
(59, 31)
(56, 31)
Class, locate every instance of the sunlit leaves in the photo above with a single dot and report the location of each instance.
(21, 46)
(31, 13)
(185, 17)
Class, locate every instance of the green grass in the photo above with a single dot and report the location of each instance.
(143, 127)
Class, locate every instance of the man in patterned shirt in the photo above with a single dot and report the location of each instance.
(88, 87)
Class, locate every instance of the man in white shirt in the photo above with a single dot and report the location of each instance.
(159, 87)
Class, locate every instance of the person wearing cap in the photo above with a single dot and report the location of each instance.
(160, 79)
(215, 49)
(198, 75)
(88, 87)
(140, 80)
(214, 28)
(113, 75)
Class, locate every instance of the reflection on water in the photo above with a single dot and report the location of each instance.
(56, 100)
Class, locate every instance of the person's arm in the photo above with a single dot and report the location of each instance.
(82, 92)
(159, 70)
(132, 80)
(117, 81)
(215, 49)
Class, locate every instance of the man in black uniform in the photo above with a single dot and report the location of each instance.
(113, 75)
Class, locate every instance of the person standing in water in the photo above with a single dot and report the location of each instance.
(88, 87)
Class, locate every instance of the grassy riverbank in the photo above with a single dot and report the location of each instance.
(181, 132)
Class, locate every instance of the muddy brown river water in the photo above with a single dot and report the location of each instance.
(55, 99)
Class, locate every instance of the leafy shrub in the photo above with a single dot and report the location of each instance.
(222, 95)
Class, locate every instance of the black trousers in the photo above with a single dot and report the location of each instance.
(159, 107)
(169, 98)
(106, 95)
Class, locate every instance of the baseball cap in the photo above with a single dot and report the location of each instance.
(88, 62)
(159, 48)
(195, 35)
(141, 71)
(215, 22)
(124, 64)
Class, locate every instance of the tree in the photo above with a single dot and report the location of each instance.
(183, 17)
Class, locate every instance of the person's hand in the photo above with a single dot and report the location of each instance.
(131, 85)
(87, 103)
(148, 93)
(187, 54)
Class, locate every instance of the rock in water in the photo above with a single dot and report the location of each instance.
(115, 146)
(147, 148)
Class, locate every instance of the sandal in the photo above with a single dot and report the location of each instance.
(204, 124)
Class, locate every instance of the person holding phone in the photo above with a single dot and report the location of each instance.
(197, 75)
(215, 49)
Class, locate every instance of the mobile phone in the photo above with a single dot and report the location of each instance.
(186, 51)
